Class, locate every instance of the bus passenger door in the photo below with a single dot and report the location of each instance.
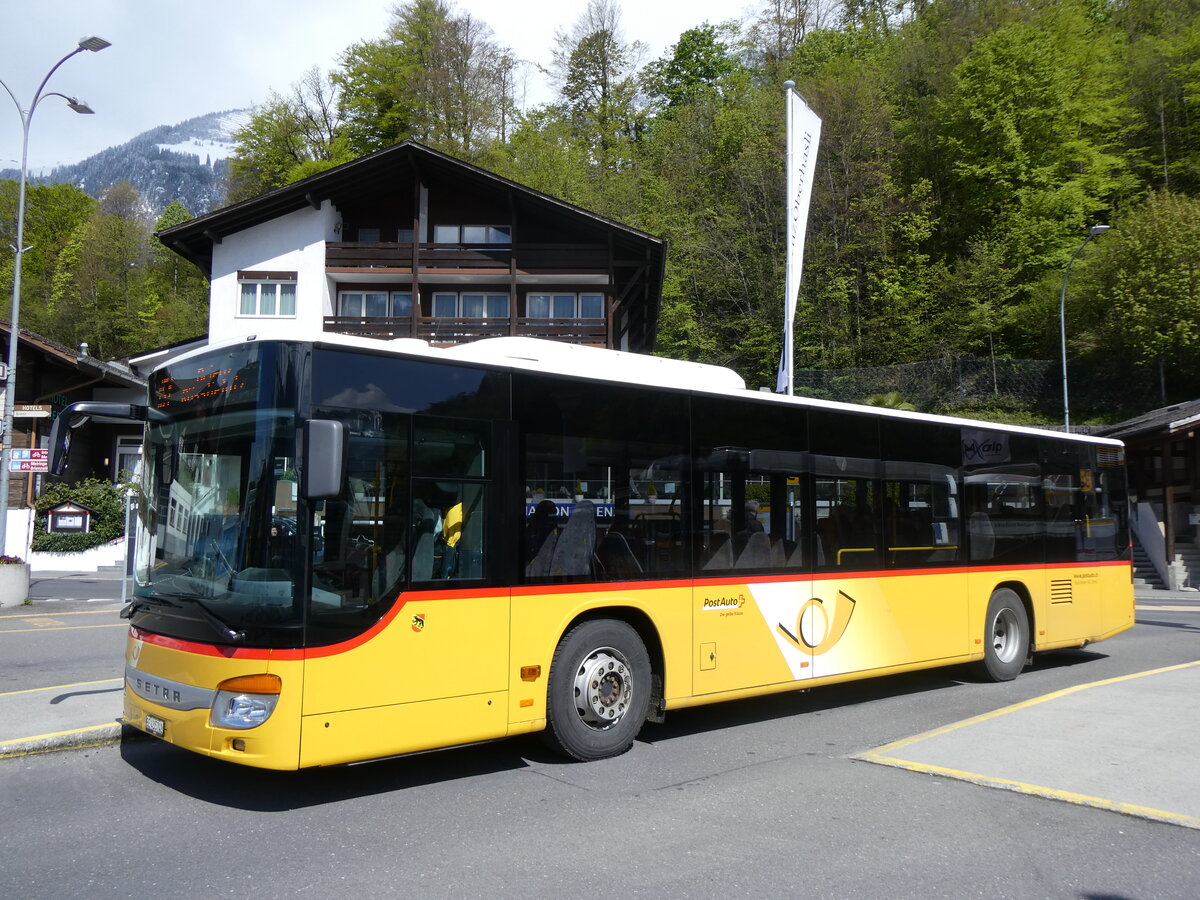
(1072, 584)
(753, 583)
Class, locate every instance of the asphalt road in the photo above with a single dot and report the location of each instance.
(751, 799)
(63, 642)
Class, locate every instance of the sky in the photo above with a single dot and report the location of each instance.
(171, 60)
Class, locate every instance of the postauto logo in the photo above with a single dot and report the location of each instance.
(817, 628)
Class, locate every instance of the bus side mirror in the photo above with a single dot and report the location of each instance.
(324, 459)
(77, 414)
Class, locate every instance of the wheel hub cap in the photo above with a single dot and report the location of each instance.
(603, 688)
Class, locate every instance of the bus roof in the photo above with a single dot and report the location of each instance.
(620, 367)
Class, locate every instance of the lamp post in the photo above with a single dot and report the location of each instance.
(94, 44)
(1094, 231)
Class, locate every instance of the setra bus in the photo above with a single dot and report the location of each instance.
(350, 549)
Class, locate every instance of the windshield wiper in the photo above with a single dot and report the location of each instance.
(138, 603)
(222, 627)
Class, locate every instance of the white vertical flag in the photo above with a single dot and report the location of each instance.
(803, 136)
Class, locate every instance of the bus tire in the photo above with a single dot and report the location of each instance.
(1005, 637)
(599, 690)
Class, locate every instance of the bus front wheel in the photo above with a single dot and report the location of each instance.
(599, 690)
(1005, 637)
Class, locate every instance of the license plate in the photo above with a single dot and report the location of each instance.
(155, 726)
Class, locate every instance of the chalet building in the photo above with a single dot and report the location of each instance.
(50, 376)
(411, 243)
(1163, 455)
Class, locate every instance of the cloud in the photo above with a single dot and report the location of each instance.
(171, 61)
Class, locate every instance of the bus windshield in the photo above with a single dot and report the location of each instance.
(219, 518)
(219, 545)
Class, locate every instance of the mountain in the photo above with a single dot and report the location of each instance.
(184, 162)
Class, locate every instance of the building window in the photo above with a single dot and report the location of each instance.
(128, 459)
(368, 235)
(472, 234)
(375, 304)
(564, 306)
(272, 296)
(404, 235)
(402, 304)
(445, 306)
(486, 234)
(470, 306)
(591, 306)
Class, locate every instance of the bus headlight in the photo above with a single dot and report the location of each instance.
(246, 701)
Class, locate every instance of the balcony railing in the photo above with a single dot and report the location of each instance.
(462, 331)
(533, 257)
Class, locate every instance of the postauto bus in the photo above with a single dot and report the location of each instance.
(351, 549)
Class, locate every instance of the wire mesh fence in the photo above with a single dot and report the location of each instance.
(991, 386)
(935, 385)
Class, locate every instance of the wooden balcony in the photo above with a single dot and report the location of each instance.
(585, 259)
(445, 331)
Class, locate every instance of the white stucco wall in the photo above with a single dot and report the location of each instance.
(292, 243)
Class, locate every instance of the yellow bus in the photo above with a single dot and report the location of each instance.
(352, 549)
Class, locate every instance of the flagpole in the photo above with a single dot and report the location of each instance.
(789, 347)
(803, 139)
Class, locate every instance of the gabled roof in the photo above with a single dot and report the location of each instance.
(1165, 420)
(194, 239)
(101, 372)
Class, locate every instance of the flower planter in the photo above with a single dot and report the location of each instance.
(14, 584)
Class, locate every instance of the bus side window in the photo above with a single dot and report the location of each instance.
(448, 520)
(603, 474)
(450, 460)
(921, 514)
(849, 509)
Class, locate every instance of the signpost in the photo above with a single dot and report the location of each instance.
(29, 461)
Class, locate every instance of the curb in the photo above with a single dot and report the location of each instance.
(76, 739)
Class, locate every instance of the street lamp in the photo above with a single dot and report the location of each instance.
(1094, 231)
(94, 44)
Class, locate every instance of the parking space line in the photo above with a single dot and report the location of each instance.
(46, 628)
(1037, 790)
(61, 687)
(78, 612)
(885, 755)
(29, 746)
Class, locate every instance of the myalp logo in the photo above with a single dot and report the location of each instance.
(984, 447)
(418, 622)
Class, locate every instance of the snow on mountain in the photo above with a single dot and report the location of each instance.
(184, 162)
(201, 149)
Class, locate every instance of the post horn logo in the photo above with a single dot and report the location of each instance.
(817, 631)
(418, 622)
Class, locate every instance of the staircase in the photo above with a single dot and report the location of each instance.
(1144, 573)
(1187, 560)
(1188, 556)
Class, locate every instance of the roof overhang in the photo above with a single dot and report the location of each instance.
(194, 240)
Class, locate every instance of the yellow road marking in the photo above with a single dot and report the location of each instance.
(82, 612)
(105, 738)
(883, 756)
(60, 628)
(62, 687)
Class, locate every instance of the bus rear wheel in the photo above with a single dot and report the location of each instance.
(1005, 637)
(599, 690)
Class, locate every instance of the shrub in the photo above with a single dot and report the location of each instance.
(108, 515)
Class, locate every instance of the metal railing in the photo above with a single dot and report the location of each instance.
(461, 331)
